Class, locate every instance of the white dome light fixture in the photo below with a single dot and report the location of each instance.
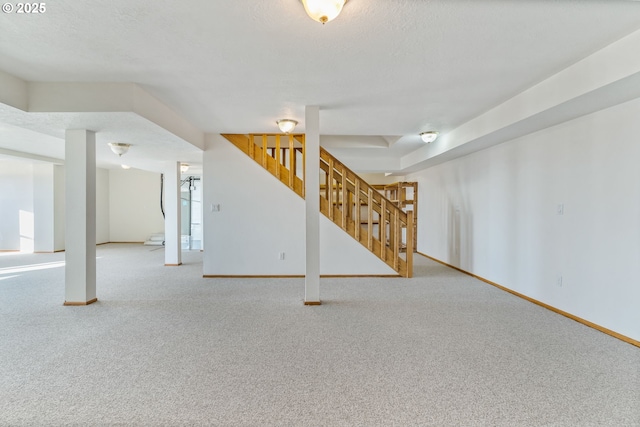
(119, 148)
(184, 167)
(429, 136)
(323, 11)
(286, 125)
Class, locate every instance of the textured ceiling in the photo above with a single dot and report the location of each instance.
(381, 68)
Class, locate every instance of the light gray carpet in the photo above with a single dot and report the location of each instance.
(163, 346)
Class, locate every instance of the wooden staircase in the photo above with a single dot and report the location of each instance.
(345, 198)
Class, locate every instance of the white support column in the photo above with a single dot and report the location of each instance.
(172, 232)
(80, 211)
(48, 207)
(312, 205)
(43, 207)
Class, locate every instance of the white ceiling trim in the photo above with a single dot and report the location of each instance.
(29, 156)
(41, 97)
(110, 97)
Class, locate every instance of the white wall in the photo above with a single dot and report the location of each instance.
(32, 206)
(48, 206)
(43, 203)
(260, 217)
(16, 206)
(494, 213)
(59, 207)
(134, 205)
(380, 178)
(102, 206)
(340, 254)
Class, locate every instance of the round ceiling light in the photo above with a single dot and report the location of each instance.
(286, 125)
(119, 148)
(323, 11)
(429, 136)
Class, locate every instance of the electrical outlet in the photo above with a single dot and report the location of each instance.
(215, 207)
(559, 281)
(281, 256)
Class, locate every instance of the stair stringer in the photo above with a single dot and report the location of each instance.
(250, 199)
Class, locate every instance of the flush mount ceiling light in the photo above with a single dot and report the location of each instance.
(126, 167)
(429, 136)
(184, 167)
(286, 125)
(119, 148)
(323, 11)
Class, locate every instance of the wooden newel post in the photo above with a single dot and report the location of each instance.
(409, 252)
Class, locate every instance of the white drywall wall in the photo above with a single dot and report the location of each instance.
(340, 254)
(260, 217)
(16, 205)
(380, 178)
(134, 205)
(44, 207)
(560, 203)
(59, 207)
(34, 192)
(102, 206)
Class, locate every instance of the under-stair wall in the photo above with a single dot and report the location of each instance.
(259, 217)
(380, 228)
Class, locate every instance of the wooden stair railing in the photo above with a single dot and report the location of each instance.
(345, 198)
(279, 154)
(366, 215)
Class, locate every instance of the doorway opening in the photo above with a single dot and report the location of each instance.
(191, 213)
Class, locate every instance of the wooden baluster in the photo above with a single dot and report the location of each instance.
(252, 147)
(304, 166)
(381, 219)
(292, 161)
(409, 244)
(415, 215)
(330, 185)
(264, 151)
(392, 230)
(397, 239)
(383, 229)
(277, 156)
(358, 217)
(370, 218)
(327, 189)
(345, 199)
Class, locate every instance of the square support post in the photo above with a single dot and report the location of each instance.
(312, 205)
(80, 211)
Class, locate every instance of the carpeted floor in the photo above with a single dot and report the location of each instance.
(163, 346)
